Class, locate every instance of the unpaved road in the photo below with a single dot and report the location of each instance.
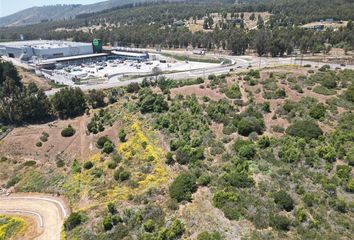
(48, 211)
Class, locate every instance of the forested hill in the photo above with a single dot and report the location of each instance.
(58, 12)
(303, 11)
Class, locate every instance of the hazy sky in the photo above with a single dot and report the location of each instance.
(8, 7)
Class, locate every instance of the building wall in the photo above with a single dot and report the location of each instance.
(26, 52)
(46, 53)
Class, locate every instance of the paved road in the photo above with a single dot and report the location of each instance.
(239, 63)
(49, 212)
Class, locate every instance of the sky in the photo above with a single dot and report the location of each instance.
(8, 7)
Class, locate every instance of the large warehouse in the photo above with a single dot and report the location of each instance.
(44, 49)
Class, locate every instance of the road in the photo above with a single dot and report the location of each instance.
(239, 63)
(48, 211)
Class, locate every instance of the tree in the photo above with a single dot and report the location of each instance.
(261, 42)
(10, 97)
(151, 102)
(9, 71)
(96, 98)
(260, 22)
(35, 104)
(69, 103)
(156, 71)
(350, 25)
(133, 88)
(183, 186)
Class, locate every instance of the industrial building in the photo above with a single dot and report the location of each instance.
(44, 49)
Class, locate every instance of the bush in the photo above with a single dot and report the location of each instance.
(283, 200)
(318, 111)
(324, 91)
(250, 124)
(349, 94)
(68, 132)
(209, 236)
(88, 165)
(234, 92)
(12, 181)
(73, 221)
(39, 144)
(60, 163)
(304, 129)
(121, 175)
(280, 222)
(107, 223)
(101, 141)
(108, 147)
(169, 159)
(350, 186)
(183, 187)
(149, 226)
(122, 135)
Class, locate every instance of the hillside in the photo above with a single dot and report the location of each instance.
(58, 12)
(257, 154)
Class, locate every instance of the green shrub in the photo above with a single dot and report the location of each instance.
(74, 220)
(350, 186)
(227, 202)
(122, 135)
(12, 181)
(318, 111)
(324, 91)
(183, 187)
(204, 180)
(304, 129)
(88, 165)
(101, 141)
(234, 92)
(107, 223)
(349, 94)
(121, 175)
(283, 200)
(108, 147)
(209, 236)
(39, 144)
(250, 124)
(68, 131)
(60, 163)
(280, 222)
(149, 226)
(75, 167)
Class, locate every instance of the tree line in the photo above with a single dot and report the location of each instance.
(21, 104)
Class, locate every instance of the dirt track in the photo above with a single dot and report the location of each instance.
(48, 211)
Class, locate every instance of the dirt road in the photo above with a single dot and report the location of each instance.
(48, 211)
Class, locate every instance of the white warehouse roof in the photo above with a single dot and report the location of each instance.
(43, 44)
